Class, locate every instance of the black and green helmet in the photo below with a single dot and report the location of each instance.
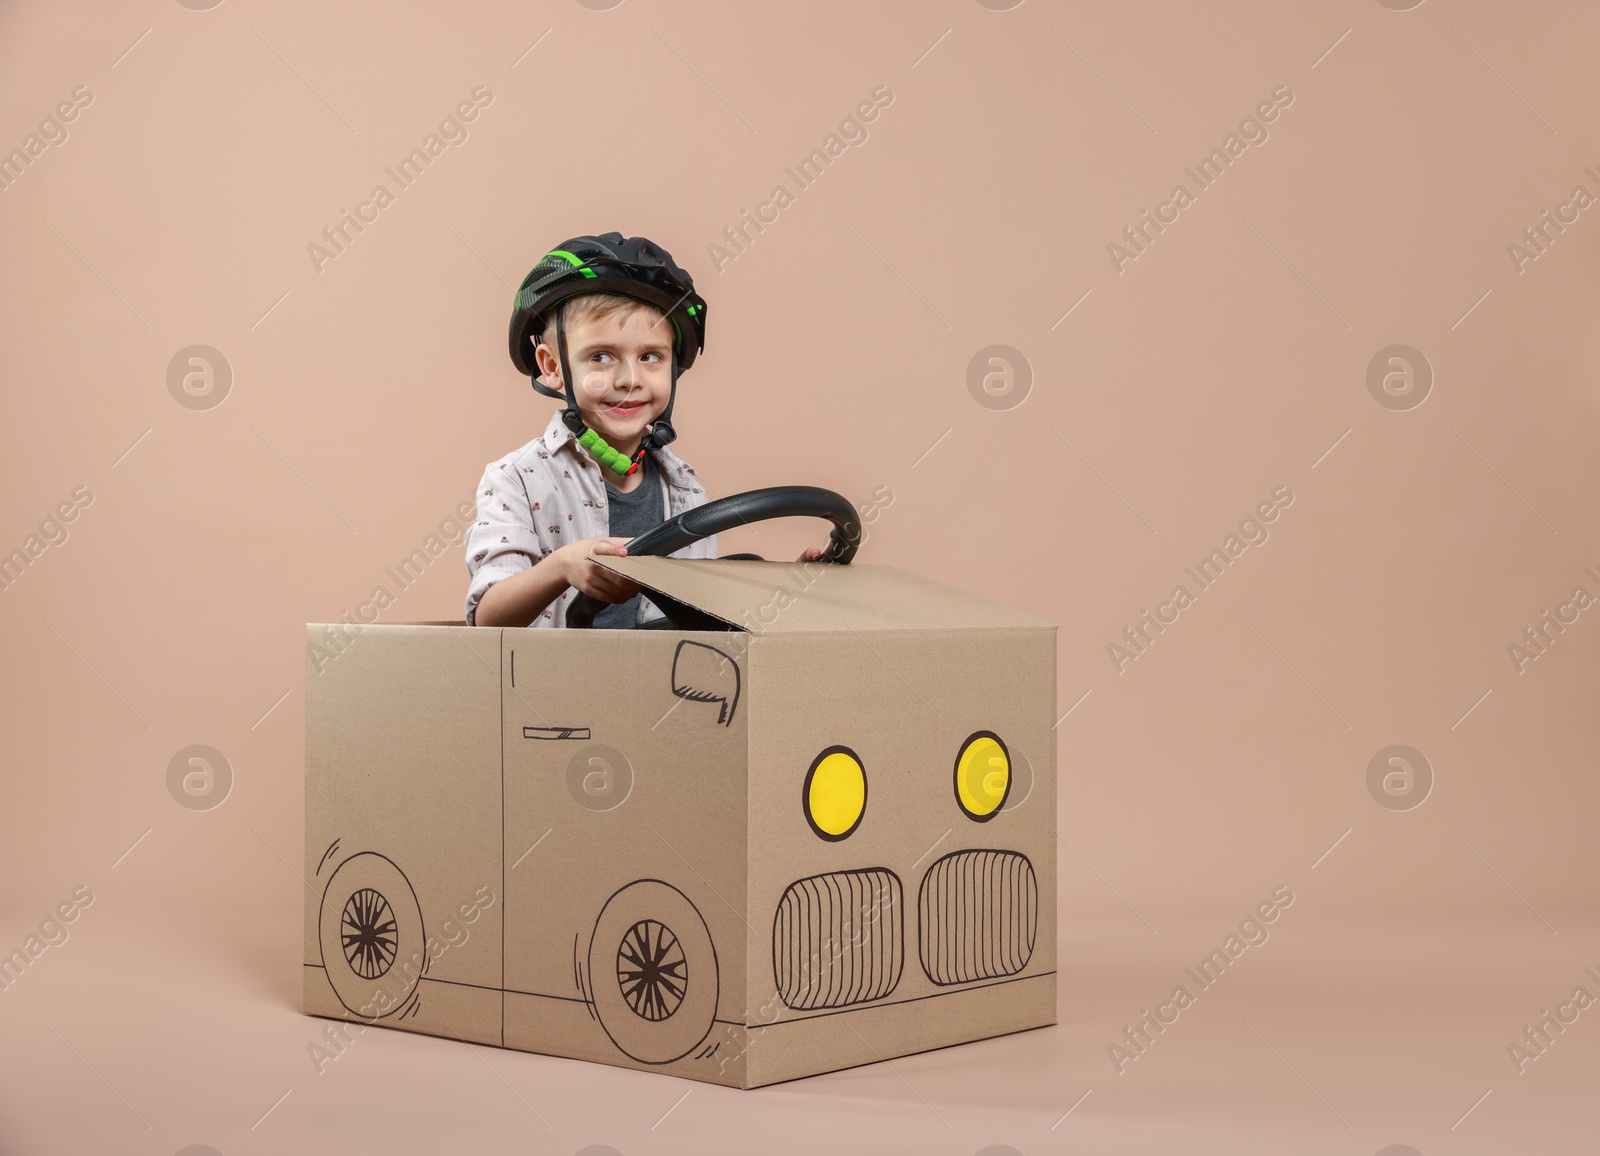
(611, 263)
(626, 267)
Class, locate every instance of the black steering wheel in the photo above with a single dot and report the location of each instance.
(724, 514)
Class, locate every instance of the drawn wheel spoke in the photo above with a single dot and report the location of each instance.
(369, 934)
(652, 971)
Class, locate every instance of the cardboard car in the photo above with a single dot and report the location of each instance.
(816, 833)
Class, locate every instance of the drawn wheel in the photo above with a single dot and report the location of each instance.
(370, 928)
(653, 971)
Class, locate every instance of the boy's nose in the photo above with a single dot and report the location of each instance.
(627, 371)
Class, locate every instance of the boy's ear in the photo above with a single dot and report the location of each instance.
(549, 364)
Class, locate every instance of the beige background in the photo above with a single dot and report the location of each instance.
(1166, 402)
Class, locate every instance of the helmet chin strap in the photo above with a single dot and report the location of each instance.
(659, 433)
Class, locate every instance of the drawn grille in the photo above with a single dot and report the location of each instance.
(979, 915)
(838, 939)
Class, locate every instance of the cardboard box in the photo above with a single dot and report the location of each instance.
(823, 836)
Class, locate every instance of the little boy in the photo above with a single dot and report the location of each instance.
(619, 317)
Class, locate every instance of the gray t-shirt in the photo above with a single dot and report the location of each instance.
(632, 513)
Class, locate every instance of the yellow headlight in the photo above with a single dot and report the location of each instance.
(983, 775)
(835, 793)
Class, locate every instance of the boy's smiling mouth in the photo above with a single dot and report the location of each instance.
(626, 408)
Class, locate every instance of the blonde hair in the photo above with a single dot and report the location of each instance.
(593, 306)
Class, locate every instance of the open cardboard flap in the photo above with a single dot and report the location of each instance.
(795, 597)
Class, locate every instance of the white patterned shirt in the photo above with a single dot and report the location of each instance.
(551, 492)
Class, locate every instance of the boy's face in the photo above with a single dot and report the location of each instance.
(623, 367)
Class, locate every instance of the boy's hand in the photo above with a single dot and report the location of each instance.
(582, 574)
(811, 554)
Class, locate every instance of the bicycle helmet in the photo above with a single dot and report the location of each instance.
(627, 267)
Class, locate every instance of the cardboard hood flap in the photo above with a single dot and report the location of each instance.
(793, 597)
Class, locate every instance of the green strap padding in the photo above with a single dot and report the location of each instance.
(617, 463)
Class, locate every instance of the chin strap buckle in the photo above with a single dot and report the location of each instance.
(661, 434)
